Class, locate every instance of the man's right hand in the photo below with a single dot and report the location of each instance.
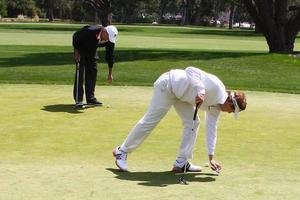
(214, 165)
(76, 55)
(199, 99)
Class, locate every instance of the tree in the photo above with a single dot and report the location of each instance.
(278, 20)
(80, 12)
(205, 12)
(3, 8)
(102, 9)
(49, 5)
(24, 7)
(186, 12)
(127, 11)
(233, 4)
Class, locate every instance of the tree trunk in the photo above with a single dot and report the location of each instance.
(104, 17)
(184, 12)
(277, 41)
(197, 18)
(188, 18)
(96, 17)
(273, 20)
(231, 16)
(161, 12)
(103, 8)
(50, 13)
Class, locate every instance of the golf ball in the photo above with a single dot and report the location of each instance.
(107, 106)
(206, 164)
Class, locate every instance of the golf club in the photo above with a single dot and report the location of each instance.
(77, 84)
(195, 115)
(182, 179)
(77, 80)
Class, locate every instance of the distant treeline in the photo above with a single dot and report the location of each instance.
(195, 12)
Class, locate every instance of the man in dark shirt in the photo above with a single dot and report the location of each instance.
(85, 43)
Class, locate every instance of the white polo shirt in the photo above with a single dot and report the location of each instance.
(186, 84)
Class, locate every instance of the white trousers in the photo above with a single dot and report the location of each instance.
(161, 102)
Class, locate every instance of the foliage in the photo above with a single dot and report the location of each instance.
(3, 8)
(23, 7)
(124, 11)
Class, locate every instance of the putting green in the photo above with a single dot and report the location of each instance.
(49, 150)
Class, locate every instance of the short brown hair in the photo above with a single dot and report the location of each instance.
(241, 100)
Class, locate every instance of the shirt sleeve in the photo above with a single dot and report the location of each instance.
(211, 120)
(76, 41)
(195, 79)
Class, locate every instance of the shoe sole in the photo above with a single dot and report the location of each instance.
(114, 154)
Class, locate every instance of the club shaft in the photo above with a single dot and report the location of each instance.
(196, 111)
(77, 81)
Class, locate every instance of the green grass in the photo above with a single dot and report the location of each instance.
(49, 150)
(42, 53)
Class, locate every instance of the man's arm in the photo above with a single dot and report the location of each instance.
(211, 120)
(76, 55)
(110, 59)
(76, 45)
(110, 75)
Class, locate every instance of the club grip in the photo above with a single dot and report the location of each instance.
(196, 110)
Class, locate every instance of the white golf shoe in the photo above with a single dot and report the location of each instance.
(121, 158)
(185, 167)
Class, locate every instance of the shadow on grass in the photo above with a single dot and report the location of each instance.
(66, 58)
(180, 55)
(38, 59)
(69, 108)
(161, 179)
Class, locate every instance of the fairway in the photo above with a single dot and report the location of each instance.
(49, 150)
(42, 54)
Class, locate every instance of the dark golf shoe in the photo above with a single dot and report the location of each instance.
(79, 105)
(94, 102)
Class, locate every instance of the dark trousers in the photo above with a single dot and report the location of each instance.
(87, 72)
